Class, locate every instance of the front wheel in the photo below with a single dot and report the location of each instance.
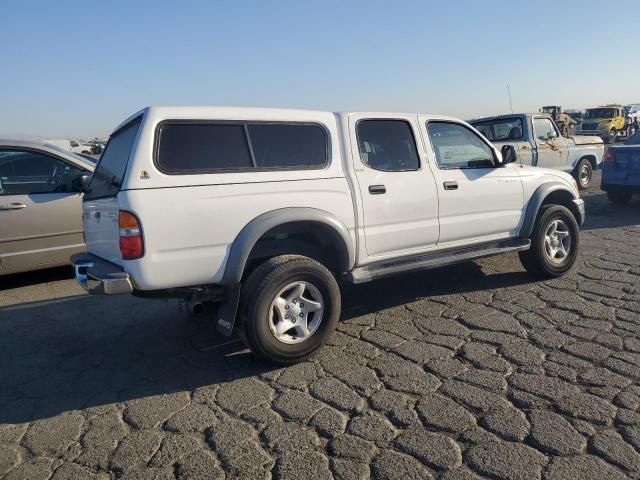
(554, 243)
(611, 137)
(584, 173)
(290, 306)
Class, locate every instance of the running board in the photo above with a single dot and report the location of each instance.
(436, 259)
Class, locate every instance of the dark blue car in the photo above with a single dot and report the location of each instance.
(621, 170)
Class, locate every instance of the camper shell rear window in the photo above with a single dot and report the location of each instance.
(109, 174)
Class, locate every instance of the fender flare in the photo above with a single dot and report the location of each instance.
(256, 228)
(535, 202)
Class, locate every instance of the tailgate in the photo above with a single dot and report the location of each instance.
(101, 231)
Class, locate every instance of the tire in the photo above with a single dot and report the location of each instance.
(619, 198)
(537, 260)
(583, 173)
(611, 137)
(261, 318)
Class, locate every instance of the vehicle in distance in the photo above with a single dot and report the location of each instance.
(538, 142)
(606, 122)
(71, 145)
(632, 112)
(265, 210)
(40, 205)
(621, 170)
(565, 122)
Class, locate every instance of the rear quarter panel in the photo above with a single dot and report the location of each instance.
(577, 152)
(189, 222)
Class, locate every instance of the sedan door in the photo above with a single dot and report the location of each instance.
(479, 200)
(40, 213)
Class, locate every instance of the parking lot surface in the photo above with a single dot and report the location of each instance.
(465, 372)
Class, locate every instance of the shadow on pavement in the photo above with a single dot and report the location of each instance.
(79, 352)
(601, 213)
(25, 279)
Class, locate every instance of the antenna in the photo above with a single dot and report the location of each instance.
(510, 104)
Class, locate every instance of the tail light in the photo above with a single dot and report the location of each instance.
(609, 156)
(131, 241)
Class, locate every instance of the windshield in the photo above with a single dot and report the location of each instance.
(502, 129)
(111, 168)
(548, 109)
(600, 113)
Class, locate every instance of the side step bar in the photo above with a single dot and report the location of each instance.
(436, 259)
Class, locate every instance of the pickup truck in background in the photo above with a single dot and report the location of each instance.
(538, 142)
(264, 210)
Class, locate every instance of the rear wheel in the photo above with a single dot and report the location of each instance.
(290, 306)
(554, 243)
(619, 197)
(584, 173)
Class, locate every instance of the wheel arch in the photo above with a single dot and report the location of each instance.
(588, 156)
(550, 193)
(316, 221)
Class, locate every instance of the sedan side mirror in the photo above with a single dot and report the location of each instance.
(81, 182)
(508, 154)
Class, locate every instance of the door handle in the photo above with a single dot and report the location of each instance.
(450, 185)
(13, 206)
(377, 189)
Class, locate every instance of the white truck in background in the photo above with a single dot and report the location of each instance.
(538, 142)
(265, 210)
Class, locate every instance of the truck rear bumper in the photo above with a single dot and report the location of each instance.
(100, 277)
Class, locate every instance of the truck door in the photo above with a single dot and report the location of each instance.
(397, 190)
(552, 148)
(479, 200)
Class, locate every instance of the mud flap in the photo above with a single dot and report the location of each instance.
(228, 310)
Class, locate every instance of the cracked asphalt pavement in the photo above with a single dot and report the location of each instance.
(465, 372)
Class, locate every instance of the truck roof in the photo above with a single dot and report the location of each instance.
(204, 112)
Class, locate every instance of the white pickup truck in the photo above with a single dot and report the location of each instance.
(538, 142)
(264, 210)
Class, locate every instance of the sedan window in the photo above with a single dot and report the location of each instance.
(25, 172)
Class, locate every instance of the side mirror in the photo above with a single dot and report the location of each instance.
(508, 154)
(81, 182)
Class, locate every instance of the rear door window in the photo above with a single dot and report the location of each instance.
(184, 147)
(387, 145)
(109, 174)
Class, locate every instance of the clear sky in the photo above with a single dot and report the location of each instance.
(77, 68)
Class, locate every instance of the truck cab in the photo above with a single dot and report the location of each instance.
(607, 122)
